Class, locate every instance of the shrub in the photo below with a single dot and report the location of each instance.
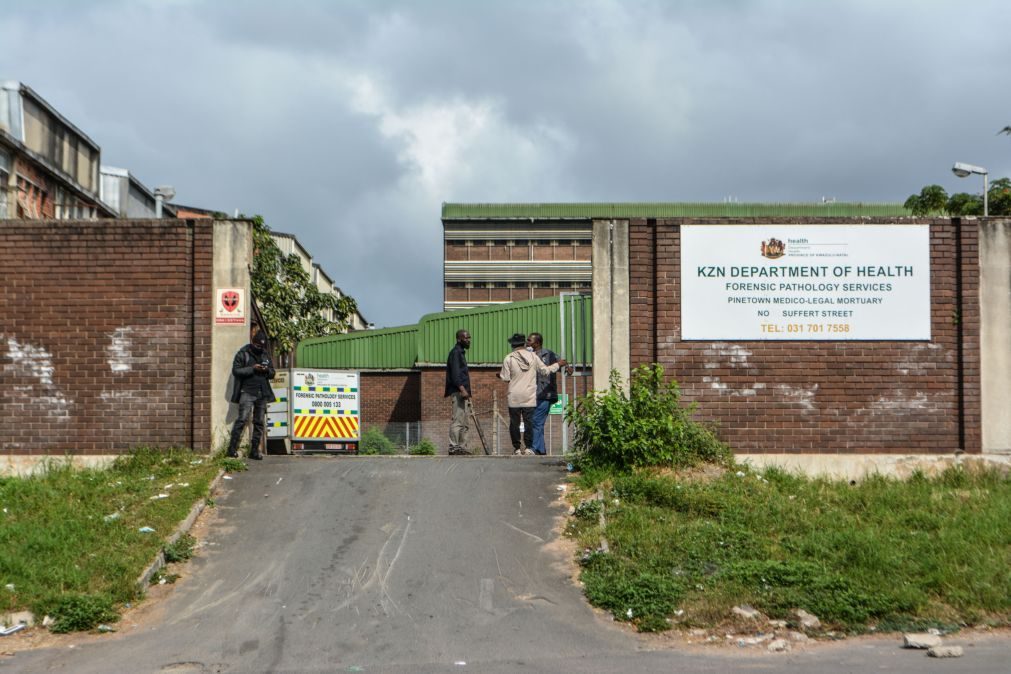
(423, 448)
(646, 427)
(374, 442)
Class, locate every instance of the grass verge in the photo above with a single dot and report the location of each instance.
(73, 542)
(686, 547)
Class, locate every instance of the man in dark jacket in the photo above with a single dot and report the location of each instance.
(252, 370)
(458, 388)
(547, 390)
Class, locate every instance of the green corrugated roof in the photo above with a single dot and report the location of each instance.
(491, 326)
(430, 340)
(589, 211)
(388, 348)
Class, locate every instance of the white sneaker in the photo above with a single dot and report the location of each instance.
(528, 452)
(517, 452)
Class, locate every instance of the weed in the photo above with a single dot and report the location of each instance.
(78, 612)
(883, 553)
(589, 509)
(423, 448)
(231, 464)
(629, 592)
(76, 533)
(181, 550)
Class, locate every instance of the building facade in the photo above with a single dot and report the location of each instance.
(48, 167)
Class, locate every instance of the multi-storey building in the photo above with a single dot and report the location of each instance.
(48, 167)
(496, 253)
(130, 198)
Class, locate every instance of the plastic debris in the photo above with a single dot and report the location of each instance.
(111, 518)
(106, 628)
(10, 586)
(196, 462)
(7, 631)
(169, 485)
(568, 467)
(740, 473)
(146, 530)
(183, 484)
(158, 496)
(628, 613)
(227, 477)
(48, 621)
(460, 663)
(279, 480)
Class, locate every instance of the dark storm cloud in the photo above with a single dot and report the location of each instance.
(349, 123)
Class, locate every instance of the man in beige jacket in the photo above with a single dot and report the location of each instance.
(520, 369)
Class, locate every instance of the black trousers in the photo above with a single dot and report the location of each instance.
(527, 414)
(249, 406)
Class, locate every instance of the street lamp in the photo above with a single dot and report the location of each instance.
(965, 170)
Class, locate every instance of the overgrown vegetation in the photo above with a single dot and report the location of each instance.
(373, 441)
(424, 448)
(648, 426)
(686, 548)
(290, 303)
(73, 542)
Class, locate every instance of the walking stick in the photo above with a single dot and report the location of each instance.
(477, 426)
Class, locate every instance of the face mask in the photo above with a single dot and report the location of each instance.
(530, 348)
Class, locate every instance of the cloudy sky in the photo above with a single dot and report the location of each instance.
(348, 123)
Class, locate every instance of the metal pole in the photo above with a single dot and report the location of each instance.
(494, 420)
(986, 188)
(561, 322)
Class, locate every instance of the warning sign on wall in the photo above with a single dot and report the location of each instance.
(230, 307)
(324, 405)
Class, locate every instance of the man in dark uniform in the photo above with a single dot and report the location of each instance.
(252, 370)
(458, 388)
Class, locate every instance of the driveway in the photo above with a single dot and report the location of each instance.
(384, 564)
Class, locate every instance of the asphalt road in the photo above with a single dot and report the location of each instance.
(378, 564)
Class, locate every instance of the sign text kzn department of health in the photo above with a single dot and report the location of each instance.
(805, 282)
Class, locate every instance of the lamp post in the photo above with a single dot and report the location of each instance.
(965, 170)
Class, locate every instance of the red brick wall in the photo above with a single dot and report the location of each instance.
(821, 397)
(390, 397)
(104, 335)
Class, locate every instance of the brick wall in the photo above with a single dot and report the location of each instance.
(821, 397)
(390, 397)
(104, 335)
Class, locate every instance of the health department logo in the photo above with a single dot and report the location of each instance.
(309, 379)
(773, 249)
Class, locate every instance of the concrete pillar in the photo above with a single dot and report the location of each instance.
(995, 333)
(611, 335)
(233, 257)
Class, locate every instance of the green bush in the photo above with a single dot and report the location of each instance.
(374, 442)
(423, 448)
(78, 612)
(646, 427)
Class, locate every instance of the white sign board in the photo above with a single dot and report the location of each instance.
(230, 306)
(805, 282)
(324, 405)
(277, 410)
